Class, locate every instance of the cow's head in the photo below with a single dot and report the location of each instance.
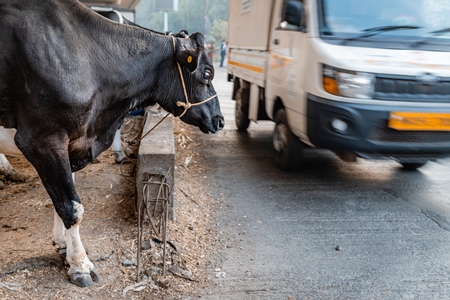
(199, 104)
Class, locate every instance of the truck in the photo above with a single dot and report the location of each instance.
(365, 79)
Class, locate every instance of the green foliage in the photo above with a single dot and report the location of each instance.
(207, 16)
(190, 15)
(218, 31)
(217, 34)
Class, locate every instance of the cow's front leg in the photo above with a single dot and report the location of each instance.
(53, 166)
(81, 270)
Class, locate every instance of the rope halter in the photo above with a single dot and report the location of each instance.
(186, 104)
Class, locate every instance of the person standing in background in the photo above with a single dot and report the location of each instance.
(223, 52)
(210, 51)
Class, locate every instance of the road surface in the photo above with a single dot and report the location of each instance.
(330, 230)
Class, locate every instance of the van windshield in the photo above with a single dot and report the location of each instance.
(418, 23)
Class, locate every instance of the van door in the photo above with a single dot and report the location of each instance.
(287, 62)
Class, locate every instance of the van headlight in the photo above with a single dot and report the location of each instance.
(348, 83)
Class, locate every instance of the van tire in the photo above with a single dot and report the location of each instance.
(287, 147)
(241, 109)
(412, 166)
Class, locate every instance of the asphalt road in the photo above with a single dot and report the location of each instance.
(331, 230)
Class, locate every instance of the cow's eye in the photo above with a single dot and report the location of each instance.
(207, 75)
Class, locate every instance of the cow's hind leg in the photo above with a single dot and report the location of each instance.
(116, 148)
(59, 230)
(53, 166)
(59, 233)
(8, 171)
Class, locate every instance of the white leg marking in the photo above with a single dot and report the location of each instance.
(76, 254)
(117, 143)
(59, 231)
(116, 148)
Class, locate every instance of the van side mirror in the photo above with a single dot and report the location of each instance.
(293, 11)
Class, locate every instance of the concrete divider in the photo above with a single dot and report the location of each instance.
(156, 159)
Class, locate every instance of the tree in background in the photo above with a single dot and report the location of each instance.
(207, 16)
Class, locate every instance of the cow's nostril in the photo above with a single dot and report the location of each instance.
(221, 124)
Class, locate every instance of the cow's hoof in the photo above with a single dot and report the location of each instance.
(63, 250)
(119, 157)
(95, 161)
(16, 176)
(60, 250)
(81, 279)
(95, 275)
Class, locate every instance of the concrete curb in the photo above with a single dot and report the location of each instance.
(156, 157)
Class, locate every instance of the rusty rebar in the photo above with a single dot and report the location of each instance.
(158, 220)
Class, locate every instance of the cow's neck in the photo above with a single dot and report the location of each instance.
(131, 59)
(141, 58)
(130, 63)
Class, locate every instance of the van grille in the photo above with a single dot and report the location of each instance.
(382, 133)
(410, 88)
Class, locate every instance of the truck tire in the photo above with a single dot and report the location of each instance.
(412, 166)
(241, 109)
(287, 146)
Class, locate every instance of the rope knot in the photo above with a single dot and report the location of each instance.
(185, 105)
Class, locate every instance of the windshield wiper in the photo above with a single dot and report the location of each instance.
(437, 32)
(377, 30)
(430, 35)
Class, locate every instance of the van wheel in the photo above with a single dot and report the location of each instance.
(287, 147)
(241, 109)
(412, 166)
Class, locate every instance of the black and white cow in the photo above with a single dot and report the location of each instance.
(7, 135)
(68, 77)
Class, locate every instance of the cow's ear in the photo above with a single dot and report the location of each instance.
(188, 58)
(190, 50)
(183, 34)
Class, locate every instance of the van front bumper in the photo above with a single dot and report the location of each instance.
(363, 129)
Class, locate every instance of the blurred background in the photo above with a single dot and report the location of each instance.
(207, 16)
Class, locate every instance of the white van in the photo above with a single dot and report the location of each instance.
(363, 78)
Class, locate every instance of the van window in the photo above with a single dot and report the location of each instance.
(292, 14)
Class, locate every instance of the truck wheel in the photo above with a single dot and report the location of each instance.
(241, 109)
(412, 166)
(288, 148)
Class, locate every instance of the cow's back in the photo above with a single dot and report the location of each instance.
(44, 44)
(54, 61)
(71, 48)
